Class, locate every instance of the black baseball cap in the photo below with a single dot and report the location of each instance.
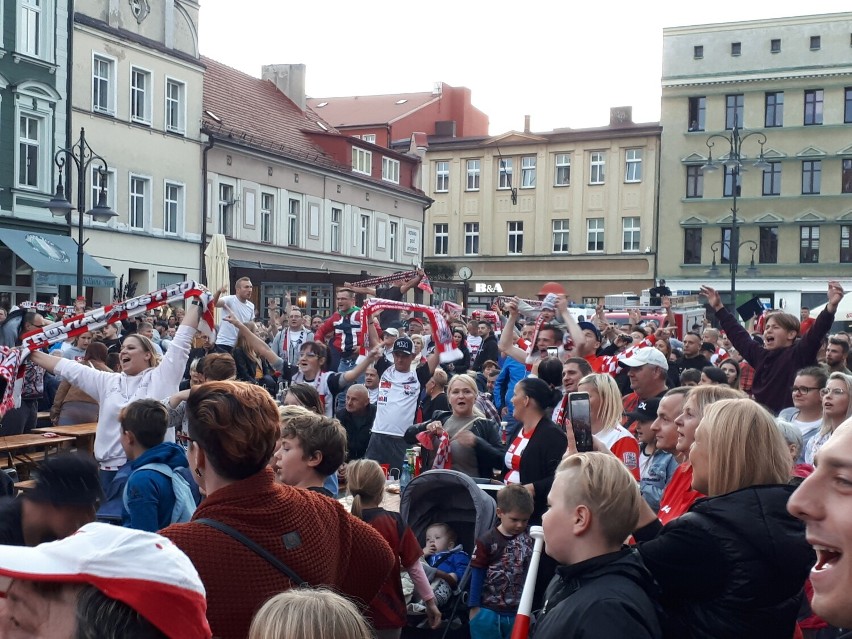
(403, 345)
(646, 410)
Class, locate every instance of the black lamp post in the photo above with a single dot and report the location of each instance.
(734, 161)
(82, 155)
(751, 271)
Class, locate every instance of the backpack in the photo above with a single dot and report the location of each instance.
(184, 500)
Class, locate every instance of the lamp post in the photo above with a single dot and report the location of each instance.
(82, 155)
(718, 245)
(734, 162)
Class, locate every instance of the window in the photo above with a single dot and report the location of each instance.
(563, 169)
(633, 165)
(362, 160)
(847, 105)
(809, 244)
(692, 245)
(294, 213)
(528, 172)
(140, 189)
(442, 177)
(336, 218)
(768, 245)
(813, 106)
(175, 106)
(369, 137)
(774, 108)
(108, 179)
(846, 176)
(172, 207)
(560, 236)
(595, 235)
(516, 238)
(845, 246)
(103, 85)
(267, 215)
(775, 45)
(226, 210)
(364, 236)
(736, 48)
(694, 181)
(727, 233)
(442, 239)
(390, 170)
(816, 42)
(630, 235)
(29, 156)
(473, 175)
(505, 179)
(597, 167)
(140, 95)
(734, 110)
(392, 235)
(33, 35)
(697, 109)
(698, 52)
(811, 177)
(728, 184)
(471, 238)
(772, 179)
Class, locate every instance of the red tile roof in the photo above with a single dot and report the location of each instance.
(367, 110)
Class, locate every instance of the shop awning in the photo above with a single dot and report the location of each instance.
(53, 259)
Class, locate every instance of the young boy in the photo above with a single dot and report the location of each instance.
(149, 496)
(312, 448)
(602, 589)
(499, 566)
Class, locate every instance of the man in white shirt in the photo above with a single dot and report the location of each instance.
(240, 305)
(288, 342)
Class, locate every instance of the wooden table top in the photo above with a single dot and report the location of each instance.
(15, 442)
(74, 430)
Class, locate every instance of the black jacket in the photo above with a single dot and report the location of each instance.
(606, 597)
(734, 566)
(357, 436)
(489, 449)
(489, 349)
(247, 367)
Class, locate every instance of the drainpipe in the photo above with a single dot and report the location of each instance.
(68, 85)
(204, 204)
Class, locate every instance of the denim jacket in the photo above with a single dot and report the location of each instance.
(660, 470)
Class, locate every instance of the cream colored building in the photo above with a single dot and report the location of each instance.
(575, 206)
(137, 85)
(791, 80)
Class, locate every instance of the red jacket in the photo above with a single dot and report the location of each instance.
(347, 330)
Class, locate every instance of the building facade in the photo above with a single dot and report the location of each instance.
(136, 89)
(575, 206)
(303, 207)
(33, 122)
(790, 79)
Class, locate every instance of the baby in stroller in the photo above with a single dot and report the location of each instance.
(446, 561)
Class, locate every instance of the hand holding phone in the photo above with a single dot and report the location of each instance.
(579, 412)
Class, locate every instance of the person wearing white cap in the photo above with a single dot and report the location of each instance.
(647, 369)
(102, 581)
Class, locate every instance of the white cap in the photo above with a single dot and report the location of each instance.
(647, 355)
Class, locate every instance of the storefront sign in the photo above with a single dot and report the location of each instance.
(481, 287)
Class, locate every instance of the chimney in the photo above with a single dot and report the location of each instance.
(526, 124)
(290, 80)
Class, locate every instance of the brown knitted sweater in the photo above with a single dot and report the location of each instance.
(336, 549)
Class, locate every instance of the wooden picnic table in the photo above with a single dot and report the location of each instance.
(18, 449)
(83, 433)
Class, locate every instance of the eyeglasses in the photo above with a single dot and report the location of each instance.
(803, 390)
(309, 355)
(183, 438)
(837, 392)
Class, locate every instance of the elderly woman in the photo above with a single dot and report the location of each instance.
(733, 567)
(142, 376)
(71, 404)
(836, 408)
(473, 441)
(233, 428)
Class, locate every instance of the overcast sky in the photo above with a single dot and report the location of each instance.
(564, 62)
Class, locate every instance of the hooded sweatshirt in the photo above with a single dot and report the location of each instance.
(150, 497)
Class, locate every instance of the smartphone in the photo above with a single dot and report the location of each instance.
(580, 415)
(553, 351)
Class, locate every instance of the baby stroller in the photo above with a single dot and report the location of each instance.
(453, 498)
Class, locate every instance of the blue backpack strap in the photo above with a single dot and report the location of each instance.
(184, 501)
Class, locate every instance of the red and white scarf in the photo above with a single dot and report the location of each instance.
(53, 309)
(12, 359)
(442, 336)
(424, 285)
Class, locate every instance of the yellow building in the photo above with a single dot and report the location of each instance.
(790, 79)
(576, 206)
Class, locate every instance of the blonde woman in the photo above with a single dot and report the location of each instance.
(735, 566)
(251, 367)
(606, 409)
(836, 408)
(309, 613)
(142, 376)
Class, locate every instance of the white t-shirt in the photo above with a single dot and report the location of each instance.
(474, 343)
(227, 334)
(320, 383)
(397, 401)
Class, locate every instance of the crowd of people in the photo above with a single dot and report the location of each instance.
(711, 501)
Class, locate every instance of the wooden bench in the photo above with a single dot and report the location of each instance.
(25, 451)
(84, 434)
(26, 485)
